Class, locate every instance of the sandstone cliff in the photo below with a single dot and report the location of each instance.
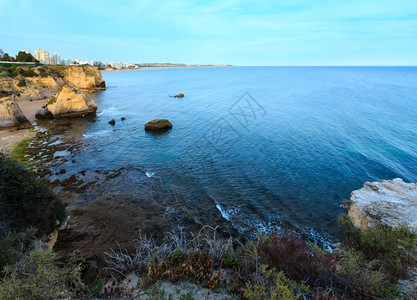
(43, 82)
(84, 77)
(68, 102)
(11, 116)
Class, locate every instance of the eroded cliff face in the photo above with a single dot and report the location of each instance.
(11, 116)
(84, 77)
(386, 202)
(45, 81)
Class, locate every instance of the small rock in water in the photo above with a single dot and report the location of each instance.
(158, 124)
(62, 171)
(123, 118)
(112, 122)
(180, 95)
(73, 161)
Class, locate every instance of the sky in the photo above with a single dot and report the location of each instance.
(257, 33)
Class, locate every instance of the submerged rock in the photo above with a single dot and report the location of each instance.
(387, 202)
(11, 116)
(158, 124)
(68, 102)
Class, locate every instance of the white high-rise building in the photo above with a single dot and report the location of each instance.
(1, 53)
(56, 59)
(38, 54)
(42, 56)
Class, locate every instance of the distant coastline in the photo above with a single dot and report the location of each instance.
(163, 67)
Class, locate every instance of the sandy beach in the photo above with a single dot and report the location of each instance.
(9, 138)
(165, 67)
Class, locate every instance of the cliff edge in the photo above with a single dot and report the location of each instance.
(386, 202)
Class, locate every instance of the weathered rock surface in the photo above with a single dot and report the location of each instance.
(387, 202)
(84, 77)
(44, 114)
(11, 116)
(158, 124)
(69, 102)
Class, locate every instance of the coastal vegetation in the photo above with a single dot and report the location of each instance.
(273, 266)
(278, 265)
(29, 212)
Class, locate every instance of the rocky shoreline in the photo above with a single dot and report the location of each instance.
(101, 208)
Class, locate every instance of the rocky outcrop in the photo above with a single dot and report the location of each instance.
(11, 116)
(387, 202)
(68, 102)
(158, 124)
(84, 77)
(180, 95)
(45, 81)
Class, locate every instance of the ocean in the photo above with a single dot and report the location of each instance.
(256, 148)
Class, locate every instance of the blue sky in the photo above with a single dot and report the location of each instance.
(276, 32)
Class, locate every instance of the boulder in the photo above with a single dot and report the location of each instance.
(112, 122)
(11, 116)
(68, 102)
(180, 95)
(386, 202)
(43, 114)
(158, 124)
(84, 77)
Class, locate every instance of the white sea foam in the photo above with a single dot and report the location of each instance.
(99, 133)
(150, 174)
(229, 212)
(110, 112)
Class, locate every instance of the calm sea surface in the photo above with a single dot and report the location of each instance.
(264, 147)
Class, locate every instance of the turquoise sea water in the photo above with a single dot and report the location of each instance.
(266, 147)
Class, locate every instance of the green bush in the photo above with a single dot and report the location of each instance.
(14, 245)
(21, 83)
(392, 247)
(40, 275)
(275, 285)
(29, 73)
(366, 275)
(25, 202)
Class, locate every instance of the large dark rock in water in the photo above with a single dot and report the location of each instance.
(43, 114)
(11, 116)
(158, 124)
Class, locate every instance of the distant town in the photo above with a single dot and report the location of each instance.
(44, 57)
